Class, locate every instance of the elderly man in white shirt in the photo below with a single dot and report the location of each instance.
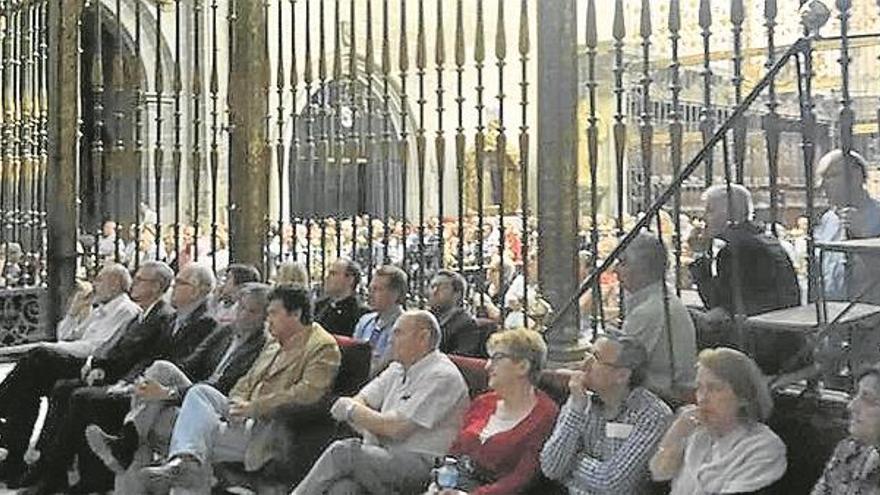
(408, 416)
(39, 369)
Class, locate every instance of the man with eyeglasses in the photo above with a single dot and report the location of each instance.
(107, 405)
(608, 429)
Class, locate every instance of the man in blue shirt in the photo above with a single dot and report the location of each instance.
(387, 293)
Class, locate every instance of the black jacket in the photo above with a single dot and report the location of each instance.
(766, 274)
(200, 365)
(460, 333)
(137, 343)
(176, 347)
(340, 317)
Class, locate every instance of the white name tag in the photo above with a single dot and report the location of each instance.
(617, 430)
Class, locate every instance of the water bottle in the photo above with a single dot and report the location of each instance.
(447, 474)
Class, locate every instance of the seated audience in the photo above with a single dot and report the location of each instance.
(503, 431)
(658, 319)
(445, 300)
(340, 308)
(721, 445)
(222, 302)
(297, 367)
(854, 467)
(79, 306)
(387, 293)
(36, 372)
(224, 357)
(408, 415)
(610, 425)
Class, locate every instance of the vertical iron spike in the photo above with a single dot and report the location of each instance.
(440, 139)
(771, 120)
(737, 17)
(176, 156)
(280, 78)
(354, 138)
(98, 156)
(372, 151)
(524, 48)
(386, 133)
(214, 161)
(339, 148)
(324, 143)
(309, 196)
(402, 146)
(421, 147)
(675, 134)
(707, 120)
(459, 130)
(646, 128)
(337, 41)
(593, 159)
(619, 127)
(293, 165)
(138, 135)
(479, 149)
(847, 116)
(196, 91)
(501, 141)
(158, 159)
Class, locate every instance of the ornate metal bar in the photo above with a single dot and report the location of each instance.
(707, 119)
(214, 153)
(479, 150)
(593, 158)
(280, 77)
(119, 142)
(158, 151)
(139, 134)
(771, 120)
(27, 143)
(339, 148)
(310, 139)
(618, 32)
(8, 112)
(501, 141)
(372, 150)
(292, 185)
(354, 137)
(97, 82)
(459, 130)
(44, 136)
(176, 155)
(675, 134)
(646, 128)
(267, 89)
(440, 138)
(403, 145)
(386, 132)
(323, 144)
(737, 16)
(846, 118)
(421, 145)
(196, 89)
(524, 48)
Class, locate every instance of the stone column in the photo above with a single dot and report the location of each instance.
(61, 172)
(248, 154)
(557, 168)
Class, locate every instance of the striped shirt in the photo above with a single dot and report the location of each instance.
(594, 455)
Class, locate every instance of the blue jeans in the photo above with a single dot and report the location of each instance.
(203, 428)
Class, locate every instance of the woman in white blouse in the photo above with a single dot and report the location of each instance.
(720, 445)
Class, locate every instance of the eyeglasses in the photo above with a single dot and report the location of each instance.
(498, 356)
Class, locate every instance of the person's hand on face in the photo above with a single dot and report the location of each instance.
(686, 422)
(152, 390)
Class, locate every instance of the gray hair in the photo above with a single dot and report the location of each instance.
(256, 292)
(745, 379)
(836, 157)
(648, 252)
(741, 198)
(428, 322)
(203, 276)
(160, 270)
(120, 273)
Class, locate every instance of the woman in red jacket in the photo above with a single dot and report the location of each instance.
(503, 431)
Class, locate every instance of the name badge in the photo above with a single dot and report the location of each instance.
(617, 430)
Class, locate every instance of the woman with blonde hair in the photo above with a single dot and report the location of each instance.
(721, 445)
(292, 273)
(503, 430)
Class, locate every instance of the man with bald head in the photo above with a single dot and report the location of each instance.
(853, 214)
(408, 415)
(745, 271)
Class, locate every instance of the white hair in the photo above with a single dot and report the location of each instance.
(741, 198)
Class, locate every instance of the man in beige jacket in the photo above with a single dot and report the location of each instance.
(298, 367)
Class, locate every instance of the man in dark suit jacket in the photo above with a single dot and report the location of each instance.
(340, 308)
(220, 361)
(107, 405)
(38, 377)
(460, 333)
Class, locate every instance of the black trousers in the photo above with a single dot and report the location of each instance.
(75, 407)
(34, 376)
